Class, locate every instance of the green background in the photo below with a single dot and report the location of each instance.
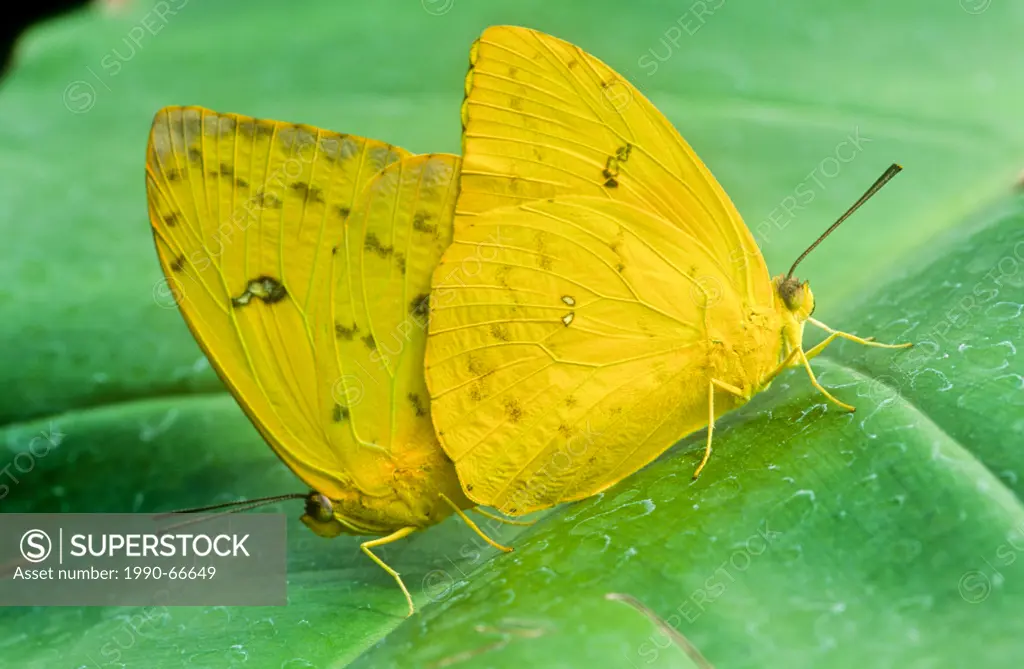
(886, 539)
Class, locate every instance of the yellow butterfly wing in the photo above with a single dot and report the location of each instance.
(396, 234)
(615, 271)
(563, 352)
(270, 236)
(543, 118)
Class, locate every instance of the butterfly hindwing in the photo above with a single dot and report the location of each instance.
(377, 395)
(557, 364)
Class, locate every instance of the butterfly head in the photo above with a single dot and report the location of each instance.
(319, 516)
(795, 297)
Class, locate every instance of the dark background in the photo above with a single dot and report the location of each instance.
(20, 16)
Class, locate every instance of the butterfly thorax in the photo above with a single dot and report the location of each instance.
(743, 346)
(746, 342)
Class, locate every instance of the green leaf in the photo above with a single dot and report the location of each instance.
(814, 538)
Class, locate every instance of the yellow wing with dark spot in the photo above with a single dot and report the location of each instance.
(397, 231)
(543, 118)
(614, 269)
(268, 235)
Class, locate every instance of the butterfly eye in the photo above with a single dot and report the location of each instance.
(326, 509)
(319, 506)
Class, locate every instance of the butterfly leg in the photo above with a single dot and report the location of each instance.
(728, 387)
(507, 521)
(786, 362)
(813, 353)
(833, 334)
(814, 380)
(867, 341)
(394, 536)
(473, 526)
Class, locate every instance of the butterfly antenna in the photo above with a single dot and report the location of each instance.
(225, 509)
(892, 171)
(245, 503)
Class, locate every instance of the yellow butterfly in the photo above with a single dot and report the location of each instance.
(602, 297)
(301, 261)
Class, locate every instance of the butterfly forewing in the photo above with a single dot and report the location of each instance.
(615, 275)
(542, 118)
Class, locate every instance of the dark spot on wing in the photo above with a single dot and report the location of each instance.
(171, 220)
(226, 170)
(419, 223)
(309, 192)
(174, 174)
(400, 261)
(195, 156)
(513, 411)
(346, 333)
(565, 430)
(267, 200)
(370, 342)
(372, 243)
(339, 413)
(417, 404)
(241, 183)
(469, 487)
(266, 288)
(419, 307)
(570, 401)
(499, 331)
(613, 163)
(264, 128)
(178, 264)
(476, 392)
(343, 211)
